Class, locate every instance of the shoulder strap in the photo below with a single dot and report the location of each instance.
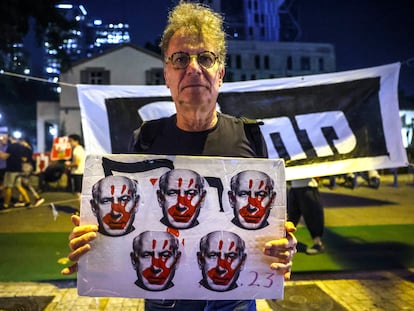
(254, 135)
(144, 136)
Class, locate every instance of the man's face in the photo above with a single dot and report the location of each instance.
(156, 259)
(252, 200)
(182, 199)
(194, 85)
(116, 205)
(222, 262)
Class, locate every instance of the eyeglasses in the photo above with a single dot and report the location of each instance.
(180, 60)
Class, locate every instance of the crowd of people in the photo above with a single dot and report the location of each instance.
(20, 184)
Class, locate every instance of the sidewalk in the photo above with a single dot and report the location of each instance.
(380, 290)
(363, 290)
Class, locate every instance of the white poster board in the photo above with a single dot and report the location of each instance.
(167, 261)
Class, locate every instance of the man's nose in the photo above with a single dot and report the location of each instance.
(193, 63)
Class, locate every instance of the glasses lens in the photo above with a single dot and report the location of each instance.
(206, 59)
(180, 60)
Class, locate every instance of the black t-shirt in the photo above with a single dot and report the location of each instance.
(17, 152)
(227, 139)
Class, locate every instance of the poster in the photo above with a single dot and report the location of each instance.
(179, 227)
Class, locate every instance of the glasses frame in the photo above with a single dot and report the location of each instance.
(190, 56)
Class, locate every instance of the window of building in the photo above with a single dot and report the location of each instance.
(95, 76)
(238, 62)
(305, 63)
(253, 76)
(321, 64)
(289, 63)
(243, 77)
(257, 61)
(266, 62)
(154, 76)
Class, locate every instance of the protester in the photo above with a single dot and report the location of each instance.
(24, 179)
(304, 200)
(194, 50)
(77, 165)
(14, 155)
(3, 148)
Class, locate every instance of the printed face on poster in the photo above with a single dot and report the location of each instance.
(177, 227)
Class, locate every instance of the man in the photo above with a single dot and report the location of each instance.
(114, 203)
(14, 155)
(77, 165)
(181, 196)
(155, 258)
(194, 49)
(251, 197)
(221, 258)
(304, 201)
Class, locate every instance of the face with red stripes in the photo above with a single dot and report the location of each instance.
(251, 198)
(155, 259)
(221, 258)
(115, 202)
(181, 196)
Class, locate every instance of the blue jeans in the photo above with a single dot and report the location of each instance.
(200, 305)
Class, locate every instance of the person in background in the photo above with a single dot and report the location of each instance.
(27, 170)
(14, 155)
(304, 200)
(3, 147)
(77, 165)
(194, 50)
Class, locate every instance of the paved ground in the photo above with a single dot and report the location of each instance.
(374, 290)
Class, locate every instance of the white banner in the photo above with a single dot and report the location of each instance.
(321, 125)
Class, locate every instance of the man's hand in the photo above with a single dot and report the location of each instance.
(283, 249)
(79, 240)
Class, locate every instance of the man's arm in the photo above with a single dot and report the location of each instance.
(4, 155)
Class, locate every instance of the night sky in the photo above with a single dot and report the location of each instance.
(365, 33)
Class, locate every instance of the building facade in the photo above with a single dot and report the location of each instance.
(121, 65)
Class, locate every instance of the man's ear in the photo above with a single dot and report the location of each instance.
(177, 259)
(243, 261)
(133, 260)
(232, 198)
(200, 260)
(160, 198)
(94, 207)
(136, 204)
(222, 72)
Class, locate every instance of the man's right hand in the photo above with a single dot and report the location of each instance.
(79, 240)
